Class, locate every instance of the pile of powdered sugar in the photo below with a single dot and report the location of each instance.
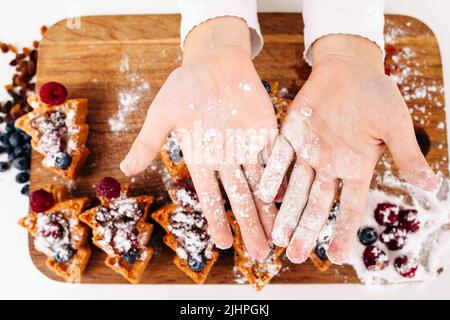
(430, 246)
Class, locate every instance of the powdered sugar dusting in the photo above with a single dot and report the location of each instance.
(128, 99)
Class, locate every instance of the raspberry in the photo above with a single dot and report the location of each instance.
(53, 230)
(406, 266)
(375, 259)
(41, 200)
(408, 220)
(394, 237)
(386, 214)
(53, 93)
(108, 188)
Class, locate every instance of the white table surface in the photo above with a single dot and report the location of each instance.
(18, 276)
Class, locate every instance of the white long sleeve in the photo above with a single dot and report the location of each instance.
(322, 17)
(356, 17)
(194, 12)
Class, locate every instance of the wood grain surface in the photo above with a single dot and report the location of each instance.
(92, 62)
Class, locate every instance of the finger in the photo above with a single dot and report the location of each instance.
(294, 202)
(151, 137)
(244, 210)
(211, 200)
(315, 215)
(351, 211)
(278, 164)
(281, 191)
(267, 211)
(410, 161)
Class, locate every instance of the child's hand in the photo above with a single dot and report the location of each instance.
(338, 126)
(216, 89)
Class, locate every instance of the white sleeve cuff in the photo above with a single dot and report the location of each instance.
(194, 12)
(356, 17)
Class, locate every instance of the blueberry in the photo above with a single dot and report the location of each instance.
(195, 264)
(22, 151)
(4, 139)
(64, 254)
(25, 190)
(176, 155)
(10, 127)
(267, 86)
(4, 166)
(2, 119)
(63, 160)
(2, 149)
(22, 177)
(11, 155)
(321, 252)
(25, 137)
(367, 236)
(21, 164)
(15, 139)
(9, 149)
(131, 256)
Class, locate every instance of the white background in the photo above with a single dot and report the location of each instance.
(18, 276)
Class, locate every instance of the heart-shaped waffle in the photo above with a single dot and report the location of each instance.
(58, 132)
(59, 234)
(120, 229)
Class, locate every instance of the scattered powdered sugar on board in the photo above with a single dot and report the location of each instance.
(128, 99)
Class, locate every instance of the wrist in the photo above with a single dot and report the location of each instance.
(348, 48)
(217, 35)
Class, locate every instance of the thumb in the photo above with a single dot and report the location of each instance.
(150, 139)
(413, 167)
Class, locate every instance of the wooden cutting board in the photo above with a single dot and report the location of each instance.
(112, 58)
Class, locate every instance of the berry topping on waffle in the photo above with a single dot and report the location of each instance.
(185, 196)
(190, 229)
(108, 187)
(120, 230)
(118, 225)
(41, 200)
(59, 132)
(57, 231)
(53, 93)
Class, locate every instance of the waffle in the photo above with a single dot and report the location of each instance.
(116, 261)
(324, 238)
(162, 216)
(321, 265)
(74, 132)
(177, 170)
(70, 210)
(258, 273)
(281, 101)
